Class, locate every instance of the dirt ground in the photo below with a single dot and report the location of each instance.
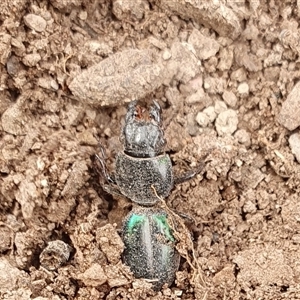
(225, 74)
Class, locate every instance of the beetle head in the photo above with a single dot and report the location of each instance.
(142, 133)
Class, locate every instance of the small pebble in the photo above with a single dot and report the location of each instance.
(44, 183)
(294, 142)
(54, 85)
(167, 54)
(31, 59)
(13, 65)
(289, 115)
(226, 122)
(82, 15)
(220, 106)
(93, 276)
(229, 98)
(243, 137)
(214, 85)
(35, 22)
(10, 120)
(249, 207)
(110, 243)
(199, 97)
(206, 85)
(243, 89)
(205, 47)
(210, 112)
(87, 138)
(54, 255)
(48, 83)
(202, 119)
(239, 75)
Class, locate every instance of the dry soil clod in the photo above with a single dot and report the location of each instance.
(121, 78)
(213, 14)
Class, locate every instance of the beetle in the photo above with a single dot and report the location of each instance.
(144, 174)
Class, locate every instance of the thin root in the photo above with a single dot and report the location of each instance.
(181, 233)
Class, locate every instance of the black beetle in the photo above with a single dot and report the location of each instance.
(144, 175)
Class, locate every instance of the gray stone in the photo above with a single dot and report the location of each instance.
(294, 142)
(31, 59)
(230, 98)
(289, 116)
(35, 22)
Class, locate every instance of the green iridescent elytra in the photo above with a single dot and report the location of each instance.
(150, 245)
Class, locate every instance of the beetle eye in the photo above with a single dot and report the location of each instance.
(131, 111)
(155, 112)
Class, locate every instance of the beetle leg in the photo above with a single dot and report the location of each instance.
(106, 180)
(191, 173)
(101, 169)
(131, 111)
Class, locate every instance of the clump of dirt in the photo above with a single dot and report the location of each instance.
(225, 74)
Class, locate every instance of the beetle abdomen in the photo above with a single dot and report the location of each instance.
(150, 246)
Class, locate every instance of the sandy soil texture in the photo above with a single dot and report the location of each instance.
(226, 75)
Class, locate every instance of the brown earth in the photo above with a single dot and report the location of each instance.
(225, 75)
